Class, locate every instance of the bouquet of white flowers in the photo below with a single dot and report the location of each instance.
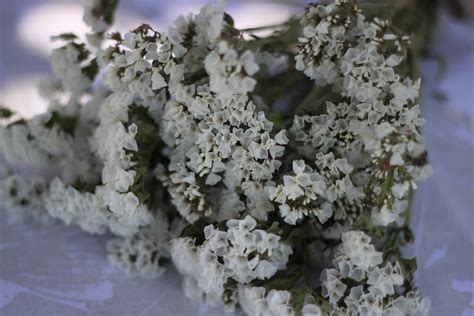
(173, 142)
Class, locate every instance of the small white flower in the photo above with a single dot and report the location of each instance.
(158, 81)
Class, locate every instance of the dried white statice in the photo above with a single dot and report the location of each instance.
(358, 59)
(230, 73)
(173, 142)
(361, 284)
(22, 197)
(298, 193)
(142, 254)
(259, 301)
(242, 253)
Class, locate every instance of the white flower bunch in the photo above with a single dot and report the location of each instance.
(303, 185)
(230, 73)
(22, 198)
(256, 301)
(365, 284)
(142, 254)
(240, 254)
(172, 141)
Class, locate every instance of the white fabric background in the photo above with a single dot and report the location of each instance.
(59, 270)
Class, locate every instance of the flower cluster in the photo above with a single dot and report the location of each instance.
(241, 253)
(257, 301)
(359, 59)
(142, 254)
(230, 73)
(23, 198)
(171, 141)
(364, 284)
(228, 143)
(305, 186)
(115, 146)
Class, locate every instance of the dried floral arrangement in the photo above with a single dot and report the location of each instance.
(274, 172)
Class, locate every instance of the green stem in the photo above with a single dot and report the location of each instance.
(294, 3)
(265, 27)
(406, 213)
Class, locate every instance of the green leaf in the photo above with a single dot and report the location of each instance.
(409, 266)
(195, 230)
(5, 112)
(69, 37)
(274, 228)
(149, 143)
(116, 36)
(285, 279)
(66, 123)
(229, 20)
(91, 70)
(364, 223)
(17, 122)
(297, 235)
(105, 9)
(276, 119)
(388, 183)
